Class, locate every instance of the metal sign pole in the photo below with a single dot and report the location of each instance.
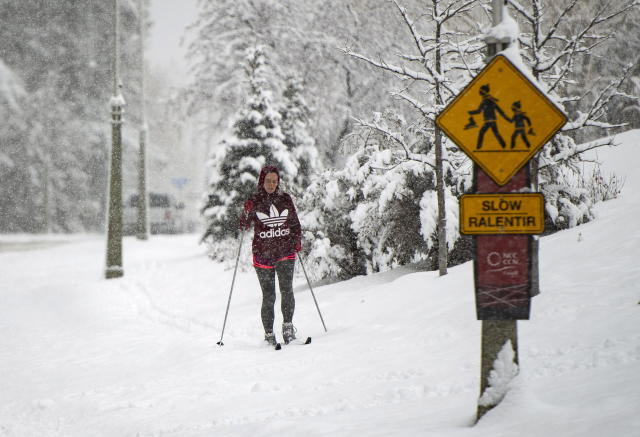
(495, 333)
(502, 280)
(501, 119)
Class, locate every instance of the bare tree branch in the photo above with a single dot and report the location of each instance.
(604, 142)
(554, 26)
(522, 11)
(429, 115)
(598, 107)
(574, 45)
(409, 156)
(412, 29)
(449, 12)
(401, 71)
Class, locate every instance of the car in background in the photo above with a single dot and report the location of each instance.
(166, 215)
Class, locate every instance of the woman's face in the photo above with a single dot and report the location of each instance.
(270, 182)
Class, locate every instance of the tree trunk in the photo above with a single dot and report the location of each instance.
(442, 217)
(533, 171)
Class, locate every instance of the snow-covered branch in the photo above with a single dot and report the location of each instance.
(397, 138)
(577, 43)
(452, 10)
(522, 11)
(412, 29)
(430, 114)
(401, 71)
(437, 76)
(554, 27)
(598, 108)
(603, 142)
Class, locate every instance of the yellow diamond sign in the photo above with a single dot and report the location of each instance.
(501, 119)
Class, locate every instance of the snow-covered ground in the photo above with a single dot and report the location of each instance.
(137, 356)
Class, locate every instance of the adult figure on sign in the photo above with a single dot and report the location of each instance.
(488, 107)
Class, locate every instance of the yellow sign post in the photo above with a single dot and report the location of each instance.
(502, 213)
(501, 119)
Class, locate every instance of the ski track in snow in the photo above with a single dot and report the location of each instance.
(137, 356)
(140, 292)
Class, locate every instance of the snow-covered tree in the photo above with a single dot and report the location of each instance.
(256, 140)
(221, 35)
(557, 39)
(606, 58)
(446, 51)
(12, 110)
(295, 115)
(54, 146)
(302, 36)
(380, 210)
(611, 59)
(329, 241)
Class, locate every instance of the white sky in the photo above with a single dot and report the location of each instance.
(170, 19)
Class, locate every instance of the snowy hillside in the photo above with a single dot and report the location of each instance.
(137, 356)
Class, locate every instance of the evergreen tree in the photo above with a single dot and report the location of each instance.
(302, 36)
(329, 241)
(295, 127)
(256, 140)
(54, 146)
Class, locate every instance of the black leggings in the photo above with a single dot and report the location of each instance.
(267, 278)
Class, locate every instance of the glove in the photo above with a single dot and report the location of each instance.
(297, 246)
(245, 223)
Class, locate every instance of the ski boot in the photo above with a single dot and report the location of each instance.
(270, 338)
(288, 332)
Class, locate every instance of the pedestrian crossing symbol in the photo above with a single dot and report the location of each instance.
(501, 119)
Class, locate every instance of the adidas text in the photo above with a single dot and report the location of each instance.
(271, 233)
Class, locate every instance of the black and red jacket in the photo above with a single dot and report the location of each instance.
(276, 227)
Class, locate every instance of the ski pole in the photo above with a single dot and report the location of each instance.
(312, 293)
(220, 343)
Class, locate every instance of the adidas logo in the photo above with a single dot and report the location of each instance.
(274, 219)
(274, 233)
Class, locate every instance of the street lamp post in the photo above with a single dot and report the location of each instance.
(114, 218)
(142, 223)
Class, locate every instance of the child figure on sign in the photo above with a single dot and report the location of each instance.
(519, 119)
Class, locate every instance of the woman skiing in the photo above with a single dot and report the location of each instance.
(276, 239)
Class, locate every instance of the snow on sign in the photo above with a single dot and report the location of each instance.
(502, 214)
(501, 119)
